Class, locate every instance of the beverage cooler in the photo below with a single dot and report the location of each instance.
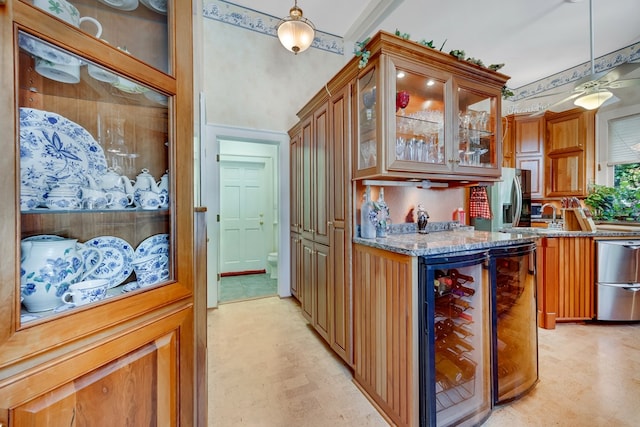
(454, 341)
(514, 321)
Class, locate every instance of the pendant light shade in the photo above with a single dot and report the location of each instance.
(295, 32)
(593, 100)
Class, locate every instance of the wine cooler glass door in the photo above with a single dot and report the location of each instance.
(454, 340)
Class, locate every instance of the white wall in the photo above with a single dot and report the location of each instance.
(251, 81)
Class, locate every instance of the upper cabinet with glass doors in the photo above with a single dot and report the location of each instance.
(424, 114)
(94, 116)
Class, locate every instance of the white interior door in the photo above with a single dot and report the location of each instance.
(243, 235)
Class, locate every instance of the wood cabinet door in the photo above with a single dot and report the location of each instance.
(321, 159)
(340, 335)
(570, 153)
(295, 179)
(323, 298)
(296, 266)
(529, 150)
(307, 172)
(306, 286)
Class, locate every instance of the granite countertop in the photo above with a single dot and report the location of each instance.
(546, 232)
(441, 242)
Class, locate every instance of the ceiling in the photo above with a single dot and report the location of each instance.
(533, 38)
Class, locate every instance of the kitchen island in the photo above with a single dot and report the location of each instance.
(566, 270)
(387, 323)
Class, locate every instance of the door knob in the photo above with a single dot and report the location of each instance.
(261, 222)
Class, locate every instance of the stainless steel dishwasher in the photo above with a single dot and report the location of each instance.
(618, 280)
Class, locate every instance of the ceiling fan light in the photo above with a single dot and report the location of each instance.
(593, 100)
(295, 32)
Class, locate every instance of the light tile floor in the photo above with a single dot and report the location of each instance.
(236, 288)
(267, 367)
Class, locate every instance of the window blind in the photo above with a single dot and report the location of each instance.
(624, 140)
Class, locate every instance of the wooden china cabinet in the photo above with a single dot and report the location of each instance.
(82, 100)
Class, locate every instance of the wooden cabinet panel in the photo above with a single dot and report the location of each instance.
(383, 321)
(566, 280)
(535, 165)
(307, 178)
(295, 182)
(296, 266)
(566, 174)
(307, 280)
(323, 293)
(570, 153)
(339, 226)
(508, 142)
(132, 379)
(341, 331)
(529, 138)
(320, 197)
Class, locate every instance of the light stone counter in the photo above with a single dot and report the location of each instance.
(442, 242)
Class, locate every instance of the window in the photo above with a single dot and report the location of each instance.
(624, 150)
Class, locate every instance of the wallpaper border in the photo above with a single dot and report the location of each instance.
(250, 19)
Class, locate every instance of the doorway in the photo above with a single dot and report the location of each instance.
(245, 187)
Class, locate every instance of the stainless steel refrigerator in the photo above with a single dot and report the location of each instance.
(509, 201)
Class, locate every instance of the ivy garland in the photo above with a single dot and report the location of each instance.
(364, 54)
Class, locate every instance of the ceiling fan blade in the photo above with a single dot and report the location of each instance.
(619, 84)
(618, 72)
(557, 103)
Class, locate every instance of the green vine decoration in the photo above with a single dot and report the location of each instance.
(364, 54)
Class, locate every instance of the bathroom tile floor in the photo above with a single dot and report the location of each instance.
(243, 287)
(267, 367)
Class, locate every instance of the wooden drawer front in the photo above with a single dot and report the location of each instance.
(383, 331)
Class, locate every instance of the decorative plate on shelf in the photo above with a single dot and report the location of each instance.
(156, 244)
(117, 255)
(55, 150)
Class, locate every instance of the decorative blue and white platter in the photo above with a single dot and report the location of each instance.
(55, 150)
(117, 255)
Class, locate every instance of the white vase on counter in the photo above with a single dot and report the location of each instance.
(367, 216)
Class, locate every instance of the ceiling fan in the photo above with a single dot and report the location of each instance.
(591, 91)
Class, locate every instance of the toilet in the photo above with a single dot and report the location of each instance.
(272, 259)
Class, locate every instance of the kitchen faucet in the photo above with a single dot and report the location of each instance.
(554, 223)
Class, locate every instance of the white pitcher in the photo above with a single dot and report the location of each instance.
(49, 265)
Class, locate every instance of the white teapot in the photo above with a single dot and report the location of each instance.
(113, 180)
(163, 184)
(145, 182)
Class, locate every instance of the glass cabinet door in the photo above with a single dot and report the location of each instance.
(419, 113)
(476, 143)
(112, 21)
(95, 188)
(368, 113)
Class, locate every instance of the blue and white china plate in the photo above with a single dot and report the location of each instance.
(45, 50)
(55, 150)
(116, 262)
(156, 244)
(126, 5)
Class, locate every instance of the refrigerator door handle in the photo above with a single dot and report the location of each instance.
(517, 188)
(632, 289)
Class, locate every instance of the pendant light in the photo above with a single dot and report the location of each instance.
(295, 32)
(594, 98)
